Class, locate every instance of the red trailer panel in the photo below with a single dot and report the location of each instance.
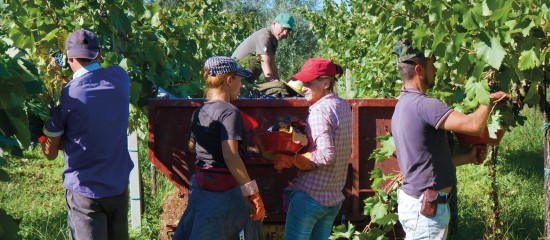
(169, 122)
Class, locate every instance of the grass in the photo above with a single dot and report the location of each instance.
(520, 186)
(35, 195)
(35, 192)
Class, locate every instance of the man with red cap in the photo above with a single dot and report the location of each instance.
(315, 196)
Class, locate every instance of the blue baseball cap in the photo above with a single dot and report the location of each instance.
(82, 44)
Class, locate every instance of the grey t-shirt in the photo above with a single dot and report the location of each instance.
(211, 124)
(261, 42)
(422, 149)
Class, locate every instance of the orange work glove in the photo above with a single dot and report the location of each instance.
(300, 161)
(303, 162)
(258, 204)
(283, 161)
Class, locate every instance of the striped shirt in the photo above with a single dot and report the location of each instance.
(329, 135)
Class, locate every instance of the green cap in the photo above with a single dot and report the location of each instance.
(404, 51)
(285, 20)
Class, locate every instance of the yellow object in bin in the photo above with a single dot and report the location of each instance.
(296, 85)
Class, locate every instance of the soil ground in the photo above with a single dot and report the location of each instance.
(173, 207)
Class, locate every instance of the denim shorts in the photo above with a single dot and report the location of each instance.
(418, 226)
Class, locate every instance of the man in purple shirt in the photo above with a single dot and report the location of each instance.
(91, 122)
(315, 196)
(419, 126)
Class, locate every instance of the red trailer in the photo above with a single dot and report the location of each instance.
(169, 122)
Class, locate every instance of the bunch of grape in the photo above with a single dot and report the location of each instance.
(494, 86)
(58, 56)
(517, 102)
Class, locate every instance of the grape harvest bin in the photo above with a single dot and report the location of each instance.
(169, 122)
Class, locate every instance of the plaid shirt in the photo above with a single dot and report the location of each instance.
(329, 135)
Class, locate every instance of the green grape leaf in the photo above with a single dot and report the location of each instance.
(486, 10)
(532, 97)
(507, 117)
(21, 39)
(463, 65)
(33, 87)
(155, 21)
(109, 59)
(138, 7)
(500, 13)
(387, 148)
(124, 64)
(376, 173)
(389, 219)
(20, 123)
(50, 35)
(341, 231)
(478, 90)
(526, 30)
(494, 124)
(120, 20)
(29, 68)
(135, 91)
(528, 60)
(505, 77)
(13, 97)
(3, 161)
(546, 27)
(375, 234)
(478, 69)
(379, 210)
(471, 19)
(469, 105)
(4, 73)
(376, 183)
(491, 52)
(440, 34)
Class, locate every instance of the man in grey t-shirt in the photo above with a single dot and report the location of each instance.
(419, 126)
(262, 45)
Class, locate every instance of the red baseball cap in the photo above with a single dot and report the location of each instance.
(315, 67)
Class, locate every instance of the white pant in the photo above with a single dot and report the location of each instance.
(418, 226)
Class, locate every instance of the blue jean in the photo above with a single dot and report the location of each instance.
(418, 226)
(217, 216)
(307, 219)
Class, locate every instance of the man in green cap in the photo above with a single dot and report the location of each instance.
(262, 45)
